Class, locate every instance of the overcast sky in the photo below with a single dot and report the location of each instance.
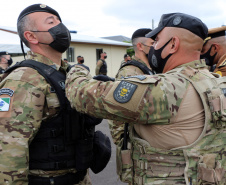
(102, 18)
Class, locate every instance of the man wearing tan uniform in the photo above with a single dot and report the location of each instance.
(214, 50)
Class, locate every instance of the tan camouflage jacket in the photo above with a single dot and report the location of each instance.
(156, 100)
(221, 66)
(25, 101)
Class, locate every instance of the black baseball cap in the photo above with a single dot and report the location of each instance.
(180, 20)
(140, 33)
(37, 8)
(126, 55)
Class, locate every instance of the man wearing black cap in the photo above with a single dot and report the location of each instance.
(137, 66)
(5, 61)
(176, 119)
(126, 59)
(40, 132)
(214, 50)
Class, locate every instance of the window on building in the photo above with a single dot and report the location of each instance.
(70, 54)
(98, 52)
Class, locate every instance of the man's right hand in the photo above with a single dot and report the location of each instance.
(103, 78)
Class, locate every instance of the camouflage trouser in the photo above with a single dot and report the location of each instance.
(117, 129)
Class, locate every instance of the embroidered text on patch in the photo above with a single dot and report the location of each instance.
(6, 91)
(124, 91)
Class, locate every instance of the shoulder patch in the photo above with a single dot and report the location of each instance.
(4, 104)
(124, 91)
(6, 91)
(140, 77)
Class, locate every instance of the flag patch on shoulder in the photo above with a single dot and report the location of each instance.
(4, 104)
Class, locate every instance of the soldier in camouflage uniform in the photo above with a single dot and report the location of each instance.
(141, 46)
(214, 50)
(27, 100)
(101, 67)
(177, 118)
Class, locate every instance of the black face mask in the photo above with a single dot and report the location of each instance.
(105, 57)
(10, 61)
(208, 58)
(61, 36)
(155, 60)
(82, 61)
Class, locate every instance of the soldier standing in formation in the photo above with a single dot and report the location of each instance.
(38, 126)
(137, 66)
(214, 50)
(101, 67)
(177, 118)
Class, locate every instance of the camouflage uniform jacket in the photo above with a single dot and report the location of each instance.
(221, 66)
(28, 101)
(100, 64)
(117, 128)
(156, 100)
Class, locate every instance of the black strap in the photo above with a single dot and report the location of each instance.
(141, 66)
(48, 73)
(68, 179)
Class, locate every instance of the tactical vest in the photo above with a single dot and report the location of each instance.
(202, 162)
(103, 68)
(141, 66)
(57, 143)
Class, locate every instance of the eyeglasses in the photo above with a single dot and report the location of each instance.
(146, 45)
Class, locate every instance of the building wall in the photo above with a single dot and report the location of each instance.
(88, 51)
(114, 56)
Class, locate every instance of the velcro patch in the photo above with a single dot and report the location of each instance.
(124, 91)
(140, 77)
(4, 104)
(6, 91)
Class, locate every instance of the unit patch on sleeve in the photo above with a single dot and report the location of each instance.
(124, 91)
(4, 104)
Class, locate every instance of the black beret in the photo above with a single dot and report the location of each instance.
(140, 33)
(3, 53)
(181, 20)
(37, 8)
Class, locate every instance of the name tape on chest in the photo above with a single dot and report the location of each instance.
(124, 91)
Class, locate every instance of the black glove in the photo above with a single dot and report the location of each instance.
(103, 78)
(92, 121)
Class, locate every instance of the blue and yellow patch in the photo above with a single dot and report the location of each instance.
(124, 91)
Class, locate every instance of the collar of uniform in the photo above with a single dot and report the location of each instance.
(195, 64)
(139, 60)
(40, 58)
(222, 61)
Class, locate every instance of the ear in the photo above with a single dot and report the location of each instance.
(139, 46)
(215, 48)
(31, 37)
(175, 42)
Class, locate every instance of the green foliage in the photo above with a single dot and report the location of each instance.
(129, 50)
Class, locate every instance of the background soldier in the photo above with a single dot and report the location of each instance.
(101, 67)
(177, 121)
(5, 61)
(214, 50)
(126, 58)
(38, 126)
(80, 60)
